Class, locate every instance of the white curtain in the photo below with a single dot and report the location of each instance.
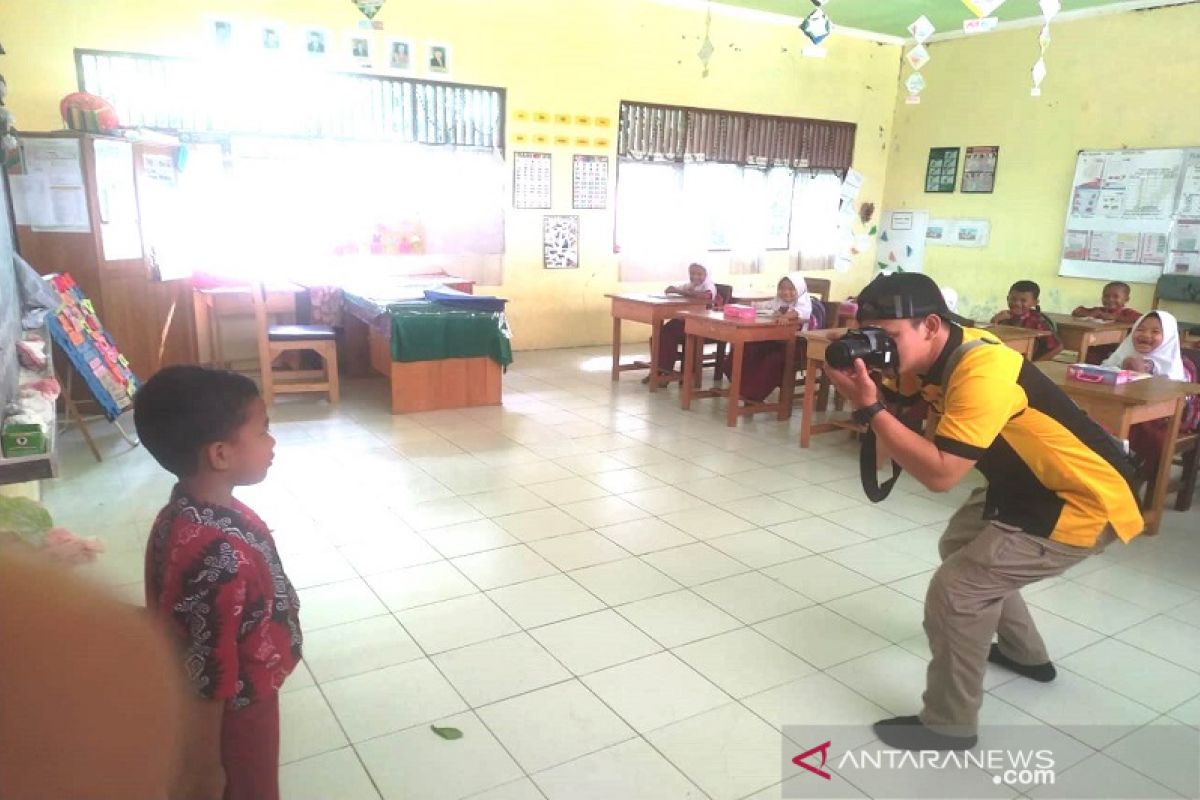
(724, 216)
(297, 203)
(815, 226)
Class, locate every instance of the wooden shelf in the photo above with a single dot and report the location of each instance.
(43, 465)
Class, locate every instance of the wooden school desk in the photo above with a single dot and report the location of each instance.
(653, 310)
(1118, 408)
(1081, 334)
(700, 325)
(748, 296)
(1019, 339)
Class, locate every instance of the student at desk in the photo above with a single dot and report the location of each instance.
(1024, 312)
(1153, 348)
(763, 361)
(1113, 299)
(670, 340)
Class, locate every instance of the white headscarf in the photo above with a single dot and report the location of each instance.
(706, 285)
(1167, 358)
(802, 305)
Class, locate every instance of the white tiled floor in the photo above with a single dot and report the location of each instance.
(616, 599)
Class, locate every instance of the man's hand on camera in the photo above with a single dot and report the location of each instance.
(855, 384)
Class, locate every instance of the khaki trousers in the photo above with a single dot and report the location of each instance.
(975, 595)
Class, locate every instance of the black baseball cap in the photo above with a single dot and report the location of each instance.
(904, 295)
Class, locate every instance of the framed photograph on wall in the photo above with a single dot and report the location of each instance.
(316, 42)
(358, 48)
(437, 58)
(560, 241)
(399, 55)
(271, 37)
(979, 170)
(219, 33)
(941, 173)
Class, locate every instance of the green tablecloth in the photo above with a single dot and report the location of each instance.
(423, 331)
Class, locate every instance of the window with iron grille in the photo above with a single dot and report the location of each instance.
(693, 180)
(272, 97)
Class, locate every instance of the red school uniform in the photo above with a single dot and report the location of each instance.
(1124, 315)
(1035, 320)
(213, 575)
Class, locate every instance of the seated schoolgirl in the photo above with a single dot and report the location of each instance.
(1153, 347)
(670, 340)
(762, 364)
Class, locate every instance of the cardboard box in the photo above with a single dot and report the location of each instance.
(23, 440)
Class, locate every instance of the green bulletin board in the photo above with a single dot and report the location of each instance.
(942, 172)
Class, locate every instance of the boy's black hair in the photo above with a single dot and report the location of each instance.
(1027, 286)
(1119, 285)
(181, 409)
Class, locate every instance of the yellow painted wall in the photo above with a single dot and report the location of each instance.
(577, 56)
(1124, 80)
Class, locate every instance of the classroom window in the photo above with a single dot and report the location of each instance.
(727, 189)
(723, 215)
(291, 167)
(288, 98)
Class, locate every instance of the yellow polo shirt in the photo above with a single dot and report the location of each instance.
(1051, 470)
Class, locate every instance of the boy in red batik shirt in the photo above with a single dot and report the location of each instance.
(1112, 306)
(213, 576)
(1024, 312)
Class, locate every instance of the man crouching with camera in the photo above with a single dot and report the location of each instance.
(1058, 490)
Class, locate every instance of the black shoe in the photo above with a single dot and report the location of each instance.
(908, 733)
(1042, 673)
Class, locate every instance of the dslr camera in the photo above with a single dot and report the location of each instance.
(872, 345)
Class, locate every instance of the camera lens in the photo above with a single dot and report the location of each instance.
(841, 354)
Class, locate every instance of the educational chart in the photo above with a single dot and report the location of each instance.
(902, 241)
(941, 173)
(979, 170)
(531, 180)
(589, 182)
(78, 332)
(560, 241)
(1133, 215)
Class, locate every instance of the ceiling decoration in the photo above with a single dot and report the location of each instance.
(892, 17)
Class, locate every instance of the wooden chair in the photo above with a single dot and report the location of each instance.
(820, 287)
(1187, 450)
(274, 340)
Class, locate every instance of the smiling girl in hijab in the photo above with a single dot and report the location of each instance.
(1153, 347)
(762, 367)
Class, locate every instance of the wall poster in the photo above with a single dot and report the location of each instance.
(942, 171)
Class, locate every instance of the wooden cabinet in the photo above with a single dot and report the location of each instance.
(112, 261)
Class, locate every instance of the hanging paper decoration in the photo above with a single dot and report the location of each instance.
(1039, 75)
(369, 8)
(705, 53)
(982, 25)
(983, 8)
(1050, 9)
(816, 26)
(922, 29)
(917, 57)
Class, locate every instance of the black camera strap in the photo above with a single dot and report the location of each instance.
(868, 468)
